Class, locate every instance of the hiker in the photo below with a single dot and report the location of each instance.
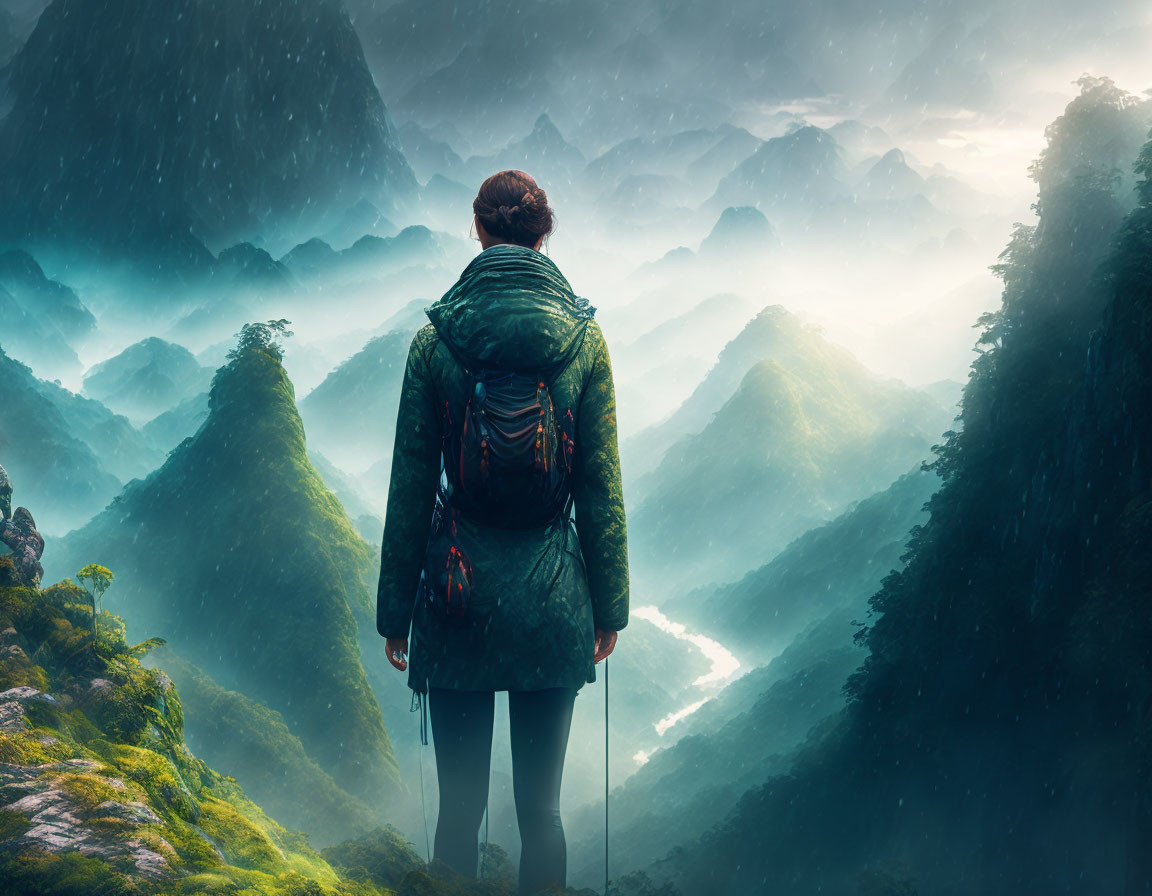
(507, 424)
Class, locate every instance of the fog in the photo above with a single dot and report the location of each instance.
(860, 168)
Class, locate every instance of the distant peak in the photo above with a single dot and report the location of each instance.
(545, 130)
(740, 228)
(17, 262)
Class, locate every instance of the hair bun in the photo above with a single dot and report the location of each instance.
(513, 208)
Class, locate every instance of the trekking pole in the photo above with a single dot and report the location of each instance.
(419, 704)
(484, 855)
(605, 776)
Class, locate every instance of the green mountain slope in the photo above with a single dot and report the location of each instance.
(147, 378)
(60, 475)
(101, 795)
(351, 416)
(795, 615)
(822, 570)
(807, 430)
(997, 737)
(260, 570)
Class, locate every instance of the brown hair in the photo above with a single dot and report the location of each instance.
(512, 207)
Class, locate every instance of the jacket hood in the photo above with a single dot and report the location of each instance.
(511, 308)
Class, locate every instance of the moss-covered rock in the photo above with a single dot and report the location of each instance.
(101, 794)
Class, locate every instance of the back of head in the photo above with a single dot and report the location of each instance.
(513, 207)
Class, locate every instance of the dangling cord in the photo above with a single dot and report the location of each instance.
(605, 776)
(420, 702)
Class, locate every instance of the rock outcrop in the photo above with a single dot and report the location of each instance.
(93, 764)
(5, 494)
(18, 531)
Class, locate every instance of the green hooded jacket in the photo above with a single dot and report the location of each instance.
(538, 594)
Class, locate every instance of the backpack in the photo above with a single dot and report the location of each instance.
(507, 462)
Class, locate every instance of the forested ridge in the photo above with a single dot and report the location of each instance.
(996, 739)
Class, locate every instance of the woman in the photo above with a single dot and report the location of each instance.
(501, 592)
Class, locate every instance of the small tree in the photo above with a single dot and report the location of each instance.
(262, 337)
(96, 579)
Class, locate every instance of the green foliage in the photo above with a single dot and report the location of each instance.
(12, 824)
(247, 845)
(139, 650)
(261, 337)
(100, 578)
(383, 856)
(97, 579)
(1006, 687)
(64, 874)
(805, 430)
(259, 578)
(639, 884)
(113, 733)
(255, 743)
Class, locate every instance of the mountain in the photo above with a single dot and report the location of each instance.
(745, 734)
(786, 177)
(361, 509)
(883, 222)
(775, 333)
(996, 734)
(543, 153)
(428, 156)
(957, 69)
(734, 146)
(657, 371)
(795, 617)
(58, 472)
(361, 219)
(29, 336)
(806, 431)
(670, 156)
(891, 177)
(245, 266)
(102, 795)
(254, 742)
(9, 39)
(264, 577)
(823, 570)
(859, 140)
(147, 378)
(41, 319)
(17, 18)
(371, 257)
(226, 120)
(741, 232)
(121, 448)
(351, 416)
(311, 259)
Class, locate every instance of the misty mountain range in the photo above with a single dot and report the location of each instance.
(882, 468)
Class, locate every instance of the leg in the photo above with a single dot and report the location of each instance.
(540, 722)
(462, 736)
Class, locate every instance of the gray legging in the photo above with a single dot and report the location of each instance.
(462, 735)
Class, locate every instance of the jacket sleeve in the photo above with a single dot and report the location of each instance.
(411, 491)
(597, 493)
